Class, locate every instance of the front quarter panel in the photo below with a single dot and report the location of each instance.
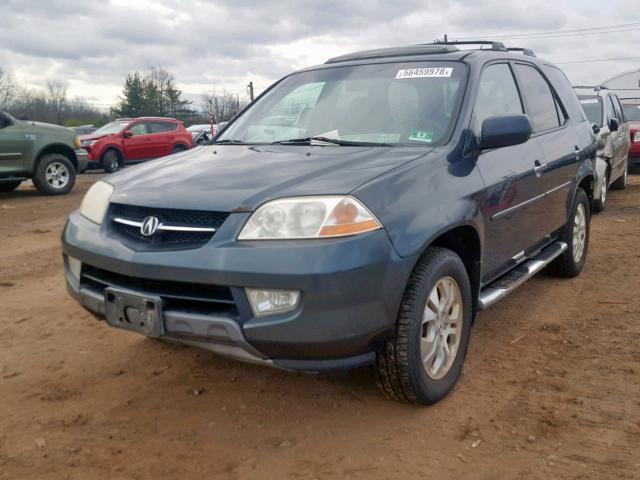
(423, 199)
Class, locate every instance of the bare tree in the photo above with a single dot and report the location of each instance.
(222, 107)
(57, 97)
(9, 89)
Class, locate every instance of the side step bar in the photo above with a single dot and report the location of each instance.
(510, 281)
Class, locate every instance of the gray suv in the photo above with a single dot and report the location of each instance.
(359, 212)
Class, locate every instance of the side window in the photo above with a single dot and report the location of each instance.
(161, 127)
(138, 129)
(608, 105)
(497, 95)
(618, 108)
(539, 98)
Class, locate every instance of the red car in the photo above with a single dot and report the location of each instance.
(631, 107)
(129, 140)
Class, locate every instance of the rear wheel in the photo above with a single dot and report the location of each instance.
(9, 186)
(54, 175)
(600, 203)
(110, 161)
(621, 181)
(576, 236)
(422, 362)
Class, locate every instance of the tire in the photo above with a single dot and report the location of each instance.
(399, 368)
(9, 186)
(572, 260)
(621, 181)
(600, 203)
(178, 149)
(110, 160)
(54, 175)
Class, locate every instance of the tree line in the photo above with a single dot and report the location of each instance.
(150, 93)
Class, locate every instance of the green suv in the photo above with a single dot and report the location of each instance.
(47, 154)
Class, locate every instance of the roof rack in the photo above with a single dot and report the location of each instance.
(526, 51)
(499, 46)
(595, 88)
(428, 49)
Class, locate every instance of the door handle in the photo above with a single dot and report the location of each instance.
(539, 168)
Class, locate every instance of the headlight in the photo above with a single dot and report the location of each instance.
(309, 217)
(96, 201)
(636, 137)
(76, 142)
(88, 143)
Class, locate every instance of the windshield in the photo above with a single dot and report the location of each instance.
(631, 111)
(111, 128)
(592, 107)
(399, 103)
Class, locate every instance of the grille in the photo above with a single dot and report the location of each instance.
(169, 216)
(183, 296)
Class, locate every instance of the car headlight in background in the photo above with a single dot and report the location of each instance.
(96, 201)
(76, 142)
(309, 217)
(88, 143)
(636, 137)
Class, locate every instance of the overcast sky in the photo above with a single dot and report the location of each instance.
(225, 43)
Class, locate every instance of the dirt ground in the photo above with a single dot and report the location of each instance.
(551, 386)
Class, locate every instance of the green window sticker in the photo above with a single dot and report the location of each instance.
(421, 136)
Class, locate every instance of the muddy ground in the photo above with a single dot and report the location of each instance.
(551, 387)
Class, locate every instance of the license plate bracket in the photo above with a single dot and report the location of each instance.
(134, 311)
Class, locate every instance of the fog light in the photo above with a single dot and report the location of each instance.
(269, 302)
(75, 266)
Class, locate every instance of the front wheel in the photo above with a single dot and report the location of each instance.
(110, 161)
(178, 149)
(422, 362)
(54, 175)
(576, 235)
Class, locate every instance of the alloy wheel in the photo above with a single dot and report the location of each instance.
(57, 175)
(441, 328)
(579, 232)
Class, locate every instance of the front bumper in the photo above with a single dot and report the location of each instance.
(351, 290)
(82, 156)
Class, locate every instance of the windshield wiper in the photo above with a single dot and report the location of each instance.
(335, 141)
(227, 140)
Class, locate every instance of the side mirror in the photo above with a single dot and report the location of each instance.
(127, 134)
(614, 125)
(505, 131)
(595, 128)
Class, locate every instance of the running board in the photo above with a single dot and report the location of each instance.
(510, 281)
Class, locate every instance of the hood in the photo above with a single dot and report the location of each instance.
(50, 127)
(240, 178)
(92, 136)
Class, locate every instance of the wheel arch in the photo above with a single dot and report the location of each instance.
(118, 150)
(59, 148)
(464, 240)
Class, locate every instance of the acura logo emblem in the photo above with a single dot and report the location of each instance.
(149, 226)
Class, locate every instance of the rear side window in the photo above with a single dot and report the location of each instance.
(497, 95)
(563, 88)
(541, 104)
(161, 127)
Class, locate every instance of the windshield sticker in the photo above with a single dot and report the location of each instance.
(421, 136)
(440, 72)
(588, 100)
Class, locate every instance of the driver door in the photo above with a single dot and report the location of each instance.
(138, 146)
(12, 145)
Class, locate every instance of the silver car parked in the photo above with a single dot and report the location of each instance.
(603, 109)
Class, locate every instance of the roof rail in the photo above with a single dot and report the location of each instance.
(526, 51)
(595, 88)
(499, 46)
(412, 50)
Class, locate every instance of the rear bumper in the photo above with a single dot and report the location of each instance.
(350, 292)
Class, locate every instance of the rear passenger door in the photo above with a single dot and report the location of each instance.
(557, 168)
(161, 138)
(513, 200)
